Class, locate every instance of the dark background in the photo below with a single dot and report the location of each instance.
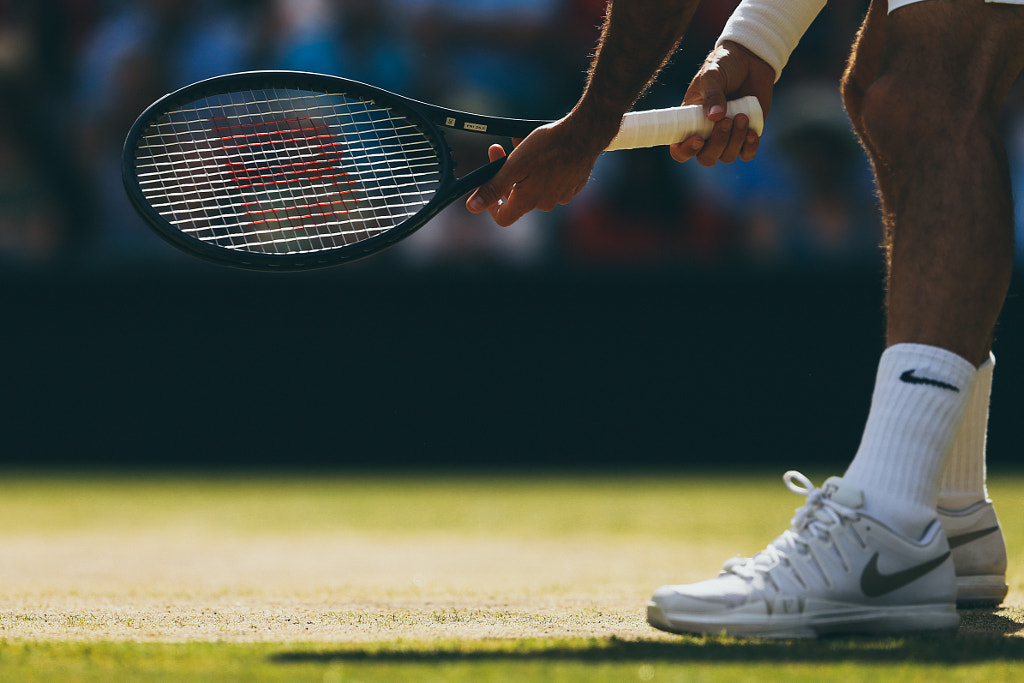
(550, 369)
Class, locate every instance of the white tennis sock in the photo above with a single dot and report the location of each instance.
(919, 399)
(963, 477)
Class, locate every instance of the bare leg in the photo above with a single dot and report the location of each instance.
(923, 89)
(861, 72)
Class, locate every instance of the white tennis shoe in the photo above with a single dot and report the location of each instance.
(835, 571)
(979, 554)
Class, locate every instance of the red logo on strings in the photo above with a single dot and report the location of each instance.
(293, 167)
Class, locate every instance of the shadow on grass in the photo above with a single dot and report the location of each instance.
(982, 637)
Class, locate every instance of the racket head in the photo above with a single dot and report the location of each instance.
(273, 170)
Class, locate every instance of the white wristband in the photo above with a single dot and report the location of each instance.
(771, 29)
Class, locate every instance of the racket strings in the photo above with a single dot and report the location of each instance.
(286, 171)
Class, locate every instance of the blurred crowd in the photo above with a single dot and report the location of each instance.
(74, 74)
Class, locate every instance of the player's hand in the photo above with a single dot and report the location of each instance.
(729, 72)
(549, 167)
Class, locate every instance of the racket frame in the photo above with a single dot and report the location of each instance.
(430, 119)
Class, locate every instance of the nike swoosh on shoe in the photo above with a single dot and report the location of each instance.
(875, 584)
(962, 539)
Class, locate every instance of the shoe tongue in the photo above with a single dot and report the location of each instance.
(843, 493)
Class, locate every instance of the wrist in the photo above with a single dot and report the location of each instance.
(592, 125)
(770, 29)
(756, 67)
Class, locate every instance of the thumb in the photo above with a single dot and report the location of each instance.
(714, 100)
(484, 197)
(488, 194)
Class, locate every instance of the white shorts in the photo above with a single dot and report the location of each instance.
(896, 4)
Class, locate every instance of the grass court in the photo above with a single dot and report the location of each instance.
(455, 577)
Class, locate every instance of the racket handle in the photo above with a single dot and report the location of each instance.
(667, 126)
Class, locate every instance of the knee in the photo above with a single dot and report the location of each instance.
(881, 118)
(852, 93)
(896, 117)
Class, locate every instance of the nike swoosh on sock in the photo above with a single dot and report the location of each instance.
(910, 378)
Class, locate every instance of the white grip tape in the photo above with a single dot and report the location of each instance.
(659, 127)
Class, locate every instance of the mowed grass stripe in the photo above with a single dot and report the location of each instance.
(571, 661)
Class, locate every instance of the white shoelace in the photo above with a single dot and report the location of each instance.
(813, 521)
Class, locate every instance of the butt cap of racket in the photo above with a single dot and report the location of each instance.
(658, 127)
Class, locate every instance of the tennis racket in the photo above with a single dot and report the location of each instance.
(279, 170)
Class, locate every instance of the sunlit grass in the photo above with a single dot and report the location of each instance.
(517, 505)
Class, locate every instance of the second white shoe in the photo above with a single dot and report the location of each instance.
(979, 554)
(835, 571)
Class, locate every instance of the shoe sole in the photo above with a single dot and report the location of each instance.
(925, 620)
(981, 591)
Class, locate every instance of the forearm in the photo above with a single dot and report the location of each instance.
(637, 39)
(771, 29)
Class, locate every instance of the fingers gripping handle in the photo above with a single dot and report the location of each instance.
(667, 126)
